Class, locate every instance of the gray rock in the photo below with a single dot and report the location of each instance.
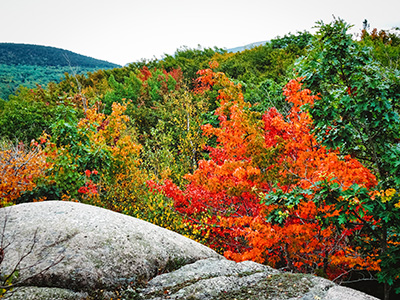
(212, 279)
(100, 249)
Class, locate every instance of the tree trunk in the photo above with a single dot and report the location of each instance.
(386, 291)
(386, 286)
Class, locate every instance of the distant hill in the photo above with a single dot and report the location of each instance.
(28, 65)
(246, 47)
(35, 55)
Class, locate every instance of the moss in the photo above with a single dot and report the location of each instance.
(282, 286)
(170, 290)
(174, 264)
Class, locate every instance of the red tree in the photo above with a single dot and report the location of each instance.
(258, 155)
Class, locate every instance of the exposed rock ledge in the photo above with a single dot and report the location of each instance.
(103, 252)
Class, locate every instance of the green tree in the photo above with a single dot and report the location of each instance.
(25, 116)
(359, 113)
(359, 107)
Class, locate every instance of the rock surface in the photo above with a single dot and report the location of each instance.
(103, 251)
(43, 293)
(100, 249)
(213, 279)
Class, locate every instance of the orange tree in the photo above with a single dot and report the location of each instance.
(20, 167)
(295, 235)
(270, 154)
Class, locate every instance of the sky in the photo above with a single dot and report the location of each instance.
(124, 31)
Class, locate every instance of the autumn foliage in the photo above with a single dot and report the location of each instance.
(240, 197)
(258, 196)
(20, 166)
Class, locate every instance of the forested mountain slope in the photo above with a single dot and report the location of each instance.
(36, 55)
(29, 65)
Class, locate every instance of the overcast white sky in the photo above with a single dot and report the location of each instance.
(123, 31)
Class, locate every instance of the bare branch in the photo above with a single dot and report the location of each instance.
(6, 280)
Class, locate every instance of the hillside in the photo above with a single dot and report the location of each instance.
(26, 54)
(28, 65)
